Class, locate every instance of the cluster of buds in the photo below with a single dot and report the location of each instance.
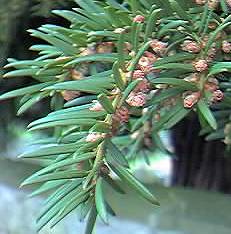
(96, 107)
(200, 65)
(138, 19)
(158, 47)
(228, 2)
(121, 115)
(136, 99)
(212, 86)
(211, 54)
(226, 47)
(212, 4)
(190, 46)
(217, 95)
(190, 99)
(94, 136)
(70, 95)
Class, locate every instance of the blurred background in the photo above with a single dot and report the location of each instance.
(193, 184)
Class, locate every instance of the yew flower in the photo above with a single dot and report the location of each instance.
(228, 2)
(121, 115)
(190, 46)
(218, 95)
(139, 19)
(191, 99)
(136, 99)
(226, 47)
(158, 46)
(138, 74)
(201, 65)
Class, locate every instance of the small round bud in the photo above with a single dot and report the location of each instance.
(191, 99)
(136, 99)
(121, 115)
(228, 2)
(138, 19)
(142, 86)
(158, 46)
(144, 61)
(210, 86)
(226, 47)
(200, 65)
(218, 95)
(138, 74)
(212, 4)
(190, 46)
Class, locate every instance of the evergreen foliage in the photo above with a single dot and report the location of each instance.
(120, 74)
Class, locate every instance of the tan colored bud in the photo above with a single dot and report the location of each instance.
(226, 47)
(138, 19)
(211, 54)
(136, 99)
(210, 86)
(190, 46)
(144, 61)
(138, 74)
(121, 115)
(191, 100)
(158, 47)
(218, 95)
(212, 4)
(228, 2)
(201, 65)
(142, 86)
